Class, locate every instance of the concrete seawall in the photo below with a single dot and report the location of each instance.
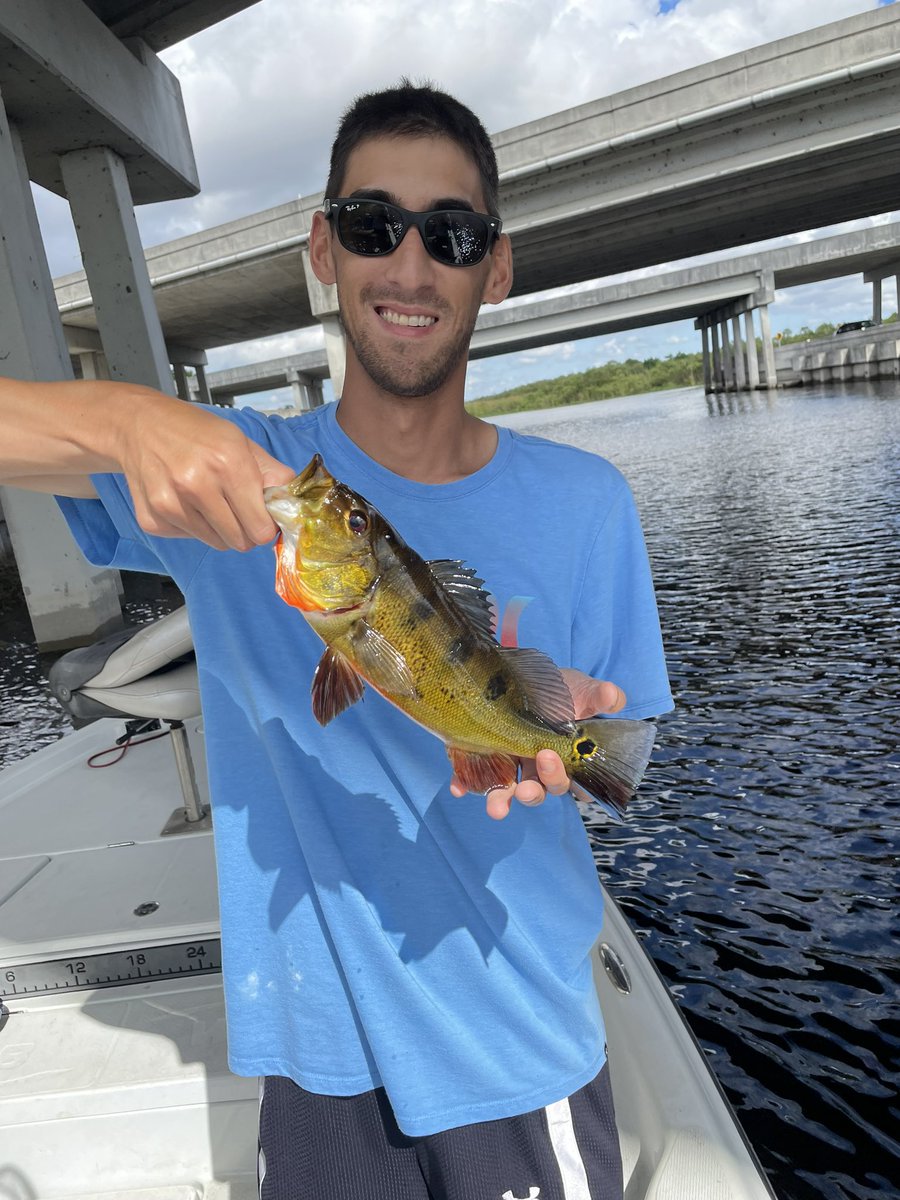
(866, 354)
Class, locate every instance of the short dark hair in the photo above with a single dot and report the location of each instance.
(409, 110)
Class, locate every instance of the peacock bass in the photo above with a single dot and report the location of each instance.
(421, 634)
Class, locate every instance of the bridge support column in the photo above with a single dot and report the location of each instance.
(93, 365)
(707, 366)
(323, 304)
(718, 380)
(727, 358)
(203, 392)
(751, 358)
(740, 369)
(306, 392)
(103, 212)
(876, 301)
(69, 601)
(768, 350)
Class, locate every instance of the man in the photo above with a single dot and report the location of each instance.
(411, 981)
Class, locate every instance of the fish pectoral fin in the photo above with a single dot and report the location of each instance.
(335, 686)
(478, 772)
(382, 663)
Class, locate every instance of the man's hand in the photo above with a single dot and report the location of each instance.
(191, 474)
(546, 773)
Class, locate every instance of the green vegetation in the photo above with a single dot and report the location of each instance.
(627, 378)
(826, 329)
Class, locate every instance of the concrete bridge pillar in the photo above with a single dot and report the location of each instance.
(203, 392)
(306, 392)
(102, 209)
(69, 601)
(740, 359)
(93, 364)
(707, 365)
(323, 304)
(876, 301)
(768, 350)
(727, 358)
(718, 381)
(751, 355)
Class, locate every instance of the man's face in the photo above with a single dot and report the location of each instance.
(376, 294)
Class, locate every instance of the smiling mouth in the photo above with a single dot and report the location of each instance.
(417, 320)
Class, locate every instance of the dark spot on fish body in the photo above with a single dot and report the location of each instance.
(419, 612)
(496, 687)
(584, 747)
(460, 651)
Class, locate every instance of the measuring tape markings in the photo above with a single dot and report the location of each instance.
(113, 968)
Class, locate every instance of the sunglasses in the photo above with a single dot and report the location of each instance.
(454, 237)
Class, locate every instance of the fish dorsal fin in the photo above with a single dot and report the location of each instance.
(465, 588)
(382, 663)
(546, 694)
(335, 686)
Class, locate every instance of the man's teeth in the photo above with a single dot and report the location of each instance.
(402, 319)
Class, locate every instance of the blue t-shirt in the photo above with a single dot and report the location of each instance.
(377, 930)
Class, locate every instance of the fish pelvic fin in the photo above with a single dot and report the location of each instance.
(335, 686)
(478, 772)
(608, 760)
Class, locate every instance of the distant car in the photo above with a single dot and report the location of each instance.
(852, 326)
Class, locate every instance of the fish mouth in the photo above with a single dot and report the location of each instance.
(313, 482)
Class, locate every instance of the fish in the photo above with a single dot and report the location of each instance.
(421, 633)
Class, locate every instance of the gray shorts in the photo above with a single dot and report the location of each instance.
(314, 1147)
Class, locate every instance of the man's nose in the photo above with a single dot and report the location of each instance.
(410, 260)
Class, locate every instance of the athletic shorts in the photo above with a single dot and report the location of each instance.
(314, 1147)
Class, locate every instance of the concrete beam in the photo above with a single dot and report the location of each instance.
(69, 82)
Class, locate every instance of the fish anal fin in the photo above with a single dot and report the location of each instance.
(335, 686)
(478, 772)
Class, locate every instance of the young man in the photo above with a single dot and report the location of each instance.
(411, 980)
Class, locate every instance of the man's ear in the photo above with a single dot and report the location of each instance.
(320, 256)
(500, 279)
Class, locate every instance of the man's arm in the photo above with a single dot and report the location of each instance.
(190, 473)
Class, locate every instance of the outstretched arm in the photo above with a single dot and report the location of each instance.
(190, 473)
(546, 773)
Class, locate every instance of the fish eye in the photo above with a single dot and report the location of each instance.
(358, 521)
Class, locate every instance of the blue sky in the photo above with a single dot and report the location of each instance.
(264, 90)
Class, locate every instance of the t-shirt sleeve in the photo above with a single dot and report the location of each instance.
(616, 632)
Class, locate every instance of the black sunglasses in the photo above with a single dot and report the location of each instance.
(455, 237)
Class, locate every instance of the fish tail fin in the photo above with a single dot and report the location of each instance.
(608, 761)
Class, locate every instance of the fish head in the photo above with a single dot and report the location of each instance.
(326, 564)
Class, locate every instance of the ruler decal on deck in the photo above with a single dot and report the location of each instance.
(111, 968)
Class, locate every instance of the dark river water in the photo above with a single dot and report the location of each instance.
(759, 861)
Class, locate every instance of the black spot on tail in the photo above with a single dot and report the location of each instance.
(585, 747)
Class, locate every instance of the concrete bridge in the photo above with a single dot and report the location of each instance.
(794, 135)
(713, 295)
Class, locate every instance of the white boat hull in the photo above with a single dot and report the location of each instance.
(119, 1091)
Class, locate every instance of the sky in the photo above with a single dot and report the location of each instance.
(264, 90)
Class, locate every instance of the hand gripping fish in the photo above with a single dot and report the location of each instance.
(421, 633)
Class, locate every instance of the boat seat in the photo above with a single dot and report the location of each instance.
(146, 675)
(149, 672)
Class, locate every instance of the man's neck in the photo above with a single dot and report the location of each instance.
(428, 439)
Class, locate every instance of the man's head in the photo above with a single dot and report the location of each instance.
(410, 111)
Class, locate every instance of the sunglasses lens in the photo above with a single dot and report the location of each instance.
(457, 238)
(367, 227)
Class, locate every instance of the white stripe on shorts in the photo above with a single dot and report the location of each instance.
(261, 1161)
(565, 1147)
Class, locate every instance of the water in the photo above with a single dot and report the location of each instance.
(759, 861)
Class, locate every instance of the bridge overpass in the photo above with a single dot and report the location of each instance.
(711, 294)
(797, 134)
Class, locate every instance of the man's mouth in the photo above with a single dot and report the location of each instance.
(418, 320)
